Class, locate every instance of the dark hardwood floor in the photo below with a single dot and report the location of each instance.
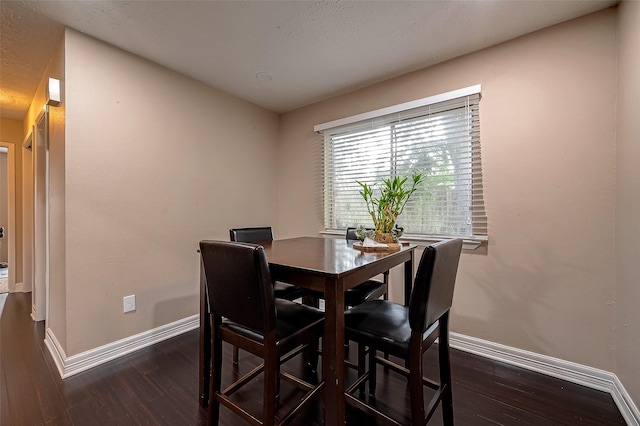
(159, 386)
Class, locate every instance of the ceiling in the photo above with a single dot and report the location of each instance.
(280, 55)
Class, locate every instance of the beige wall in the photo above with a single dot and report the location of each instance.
(627, 337)
(12, 131)
(546, 282)
(154, 162)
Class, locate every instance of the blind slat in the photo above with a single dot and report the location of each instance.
(441, 141)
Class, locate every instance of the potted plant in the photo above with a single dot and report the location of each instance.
(386, 208)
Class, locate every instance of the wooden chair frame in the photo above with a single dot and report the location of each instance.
(407, 332)
(419, 344)
(271, 370)
(251, 318)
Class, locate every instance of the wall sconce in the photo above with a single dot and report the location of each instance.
(53, 92)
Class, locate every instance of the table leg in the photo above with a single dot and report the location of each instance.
(333, 354)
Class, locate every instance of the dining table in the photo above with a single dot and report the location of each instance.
(330, 266)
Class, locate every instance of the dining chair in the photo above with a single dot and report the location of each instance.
(407, 332)
(250, 317)
(264, 234)
(368, 290)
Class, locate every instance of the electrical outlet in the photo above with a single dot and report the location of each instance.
(129, 303)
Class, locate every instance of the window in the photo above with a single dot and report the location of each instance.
(438, 137)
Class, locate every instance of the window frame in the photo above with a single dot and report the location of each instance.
(471, 241)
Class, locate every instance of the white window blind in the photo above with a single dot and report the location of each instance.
(439, 140)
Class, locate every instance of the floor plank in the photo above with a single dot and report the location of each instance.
(159, 386)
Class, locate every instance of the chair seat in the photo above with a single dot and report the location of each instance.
(368, 290)
(292, 319)
(380, 321)
(288, 291)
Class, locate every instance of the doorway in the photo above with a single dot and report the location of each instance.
(7, 218)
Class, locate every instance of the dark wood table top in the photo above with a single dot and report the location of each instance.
(333, 258)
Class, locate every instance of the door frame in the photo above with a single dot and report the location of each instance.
(11, 213)
(27, 214)
(40, 242)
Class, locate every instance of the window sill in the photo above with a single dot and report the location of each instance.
(420, 240)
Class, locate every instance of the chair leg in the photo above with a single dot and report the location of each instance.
(235, 355)
(362, 353)
(271, 384)
(314, 346)
(445, 371)
(277, 381)
(205, 360)
(373, 367)
(416, 389)
(216, 373)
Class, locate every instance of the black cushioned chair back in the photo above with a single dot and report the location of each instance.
(251, 235)
(239, 284)
(432, 293)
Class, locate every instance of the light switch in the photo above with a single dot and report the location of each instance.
(129, 303)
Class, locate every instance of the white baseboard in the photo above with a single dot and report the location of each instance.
(625, 404)
(19, 288)
(68, 366)
(565, 370)
(575, 373)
